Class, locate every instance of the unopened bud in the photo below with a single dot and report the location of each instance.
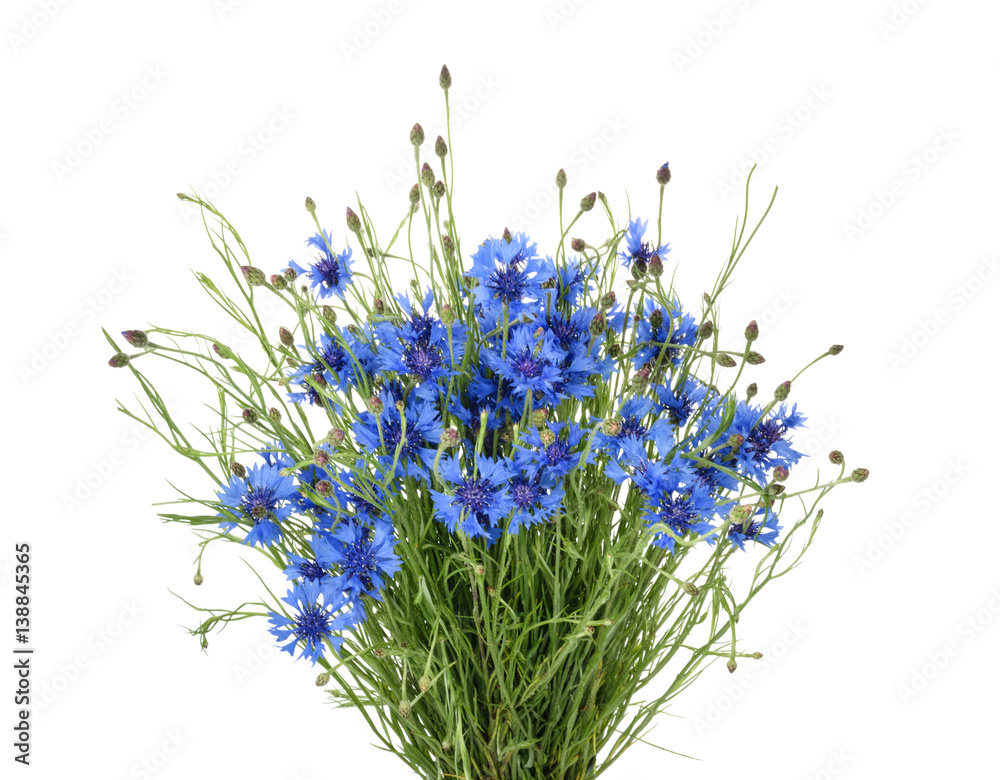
(836, 349)
(449, 246)
(321, 456)
(480, 570)
(323, 678)
(706, 329)
(285, 336)
(198, 579)
(507, 235)
(690, 588)
(735, 440)
(329, 314)
(324, 487)
(223, 351)
(547, 437)
(561, 178)
(379, 306)
(290, 274)
(137, 338)
(641, 377)
(445, 78)
(254, 276)
(278, 282)
(588, 201)
(757, 656)
(663, 174)
(250, 415)
(780, 473)
(439, 189)
(379, 652)
(404, 709)
(310, 205)
(859, 475)
(447, 314)
(639, 269)
(613, 427)
(751, 390)
(119, 360)
(353, 221)
(724, 360)
(752, 331)
(655, 267)
(427, 175)
(781, 391)
(578, 244)
(375, 405)
(731, 665)
(598, 324)
(450, 437)
(836, 457)
(614, 349)
(415, 194)
(417, 135)
(608, 300)
(274, 414)
(424, 683)
(238, 469)
(440, 148)
(538, 417)
(755, 358)
(656, 319)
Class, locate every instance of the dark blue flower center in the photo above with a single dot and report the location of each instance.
(359, 561)
(557, 452)
(392, 432)
(422, 325)
(632, 427)
(311, 571)
(677, 514)
(564, 330)
(508, 283)
(312, 623)
(526, 365)
(258, 503)
(422, 359)
(760, 440)
(328, 270)
(476, 495)
(750, 532)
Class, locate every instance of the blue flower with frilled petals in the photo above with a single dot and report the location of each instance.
(331, 273)
(262, 500)
(319, 613)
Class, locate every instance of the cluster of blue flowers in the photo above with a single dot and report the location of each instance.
(473, 414)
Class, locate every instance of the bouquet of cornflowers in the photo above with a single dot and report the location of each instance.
(505, 502)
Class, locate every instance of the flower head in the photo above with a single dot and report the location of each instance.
(636, 248)
(318, 614)
(331, 272)
(261, 500)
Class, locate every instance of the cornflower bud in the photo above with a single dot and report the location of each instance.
(278, 282)
(639, 269)
(198, 579)
(254, 276)
(780, 473)
(449, 246)
(238, 470)
(507, 236)
(119, 360)
(415, 194)
(439, 189)
(424, 683)
(329, 314)
(836, 349)
(322, 679)
(663, 174)
(588, 201)
(736, 440)
(353, 221)
(782, 391)
(137, 338)
(379, 306)
(656, 319)
(757, 656)
(290, 274)
(614, 349)
(752, 331)
(250, 415)
(859, 475)
(321, 456)
(538, 417)
(404, 709)
(561, 179)
(417, 135)
(724, 360)
(427, 175)
(375, 405)
(324, 487)
(706, 329)
(608, 300)
(445, 78)
(440, 148)
(480, 570)
(450, 437)
(655, 267)
(379, 652)
(577, 244)
(755, 358)
(310, 205)
(613, 427)
(836, 457)
(690, 588)
(285, 336)
(548, 437)
(598, 324)
(447, 315)
(751, 390)
(274, 414)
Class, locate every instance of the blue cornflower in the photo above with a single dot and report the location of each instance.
(331, 273)
(765, 443)
(637, 249)
(364, 555)
(421, 347)
(423, 432)
(684, 509)
(509, 274)
(553, 461)
(480, 501)
(530, 364)
(680, 405)
(310, 569)
(763, 532)
(333, 366)
(263, 499)
(533, 502)
(319, 613)
(658, 346)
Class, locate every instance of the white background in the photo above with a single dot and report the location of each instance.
(878, 121)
